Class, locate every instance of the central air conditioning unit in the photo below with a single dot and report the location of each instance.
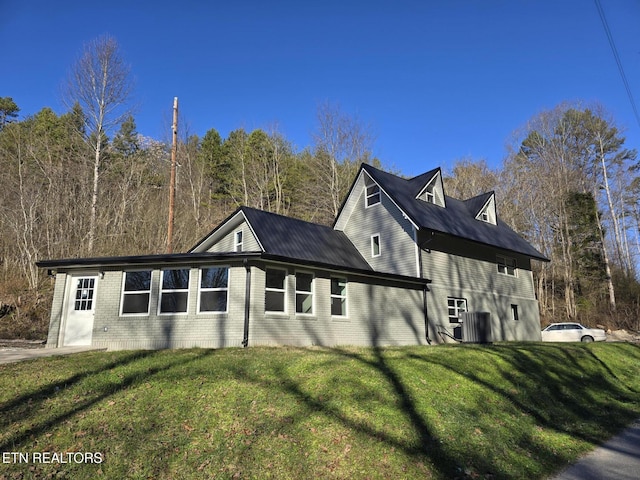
(476, 327)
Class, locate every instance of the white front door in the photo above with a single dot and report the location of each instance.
(78, 328)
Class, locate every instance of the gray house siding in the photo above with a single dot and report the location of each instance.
(114, 331)
(56, 310)
(503, 327)
(469, 271)
(378, 313)
(227, 243)
(397, 246)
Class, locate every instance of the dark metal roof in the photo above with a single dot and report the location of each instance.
(299, 240)
(458, 218)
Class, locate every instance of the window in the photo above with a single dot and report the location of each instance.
(338, 297)
(375, 245)
(214, 289)
(304, 293)
(429, 194)
(237, 245)
(275, 291)
(506, 265)
(84, 294)
(514, 312)
(174, 293)
(135, 293)
(456, 306)
(373, 195)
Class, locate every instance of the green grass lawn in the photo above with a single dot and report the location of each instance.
(462, 411)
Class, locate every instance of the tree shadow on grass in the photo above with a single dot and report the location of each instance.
(557, 399)
(28, 408)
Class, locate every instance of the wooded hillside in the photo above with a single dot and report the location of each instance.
(85, 183)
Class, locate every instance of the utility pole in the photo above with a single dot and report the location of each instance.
(172, 181)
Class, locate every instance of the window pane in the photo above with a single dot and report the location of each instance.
(303, 282)
(338, 307)
(213, 301)
(274, 302)
(135, 303)
(214, 277)
(304, 303)
(338, 286)
(375, 245)
(137, 281)
(175, 279)
(174, 302)
(275, 278)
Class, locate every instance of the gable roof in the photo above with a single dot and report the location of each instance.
(457, 218)
(292, 239)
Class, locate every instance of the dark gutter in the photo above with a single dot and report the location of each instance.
(200, 258)
(175, 258)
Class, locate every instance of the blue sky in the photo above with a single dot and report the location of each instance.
(435, 80)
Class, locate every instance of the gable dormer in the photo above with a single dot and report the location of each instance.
(433, 191)
(488, 211)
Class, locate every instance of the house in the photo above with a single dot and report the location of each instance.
(402, 264)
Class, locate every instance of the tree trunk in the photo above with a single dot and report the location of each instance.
(610, 287)
(94, 197)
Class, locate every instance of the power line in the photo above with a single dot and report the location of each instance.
(618, 61)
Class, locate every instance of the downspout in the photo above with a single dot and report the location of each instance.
(425, 289)
(247, 302)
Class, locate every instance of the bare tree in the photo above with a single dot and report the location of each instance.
(342, 143)
(100, 83)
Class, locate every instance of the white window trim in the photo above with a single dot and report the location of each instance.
(284, 292)
(302, 292)
(345, 296)
(502, 262)
(429, 194)
(373, 254)
(515, 312)
(457, 309)
(161, 291)
(370, 196)
(123, 293)
(200, 290)
(238, 246)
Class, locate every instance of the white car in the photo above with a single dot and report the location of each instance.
(572, 332)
